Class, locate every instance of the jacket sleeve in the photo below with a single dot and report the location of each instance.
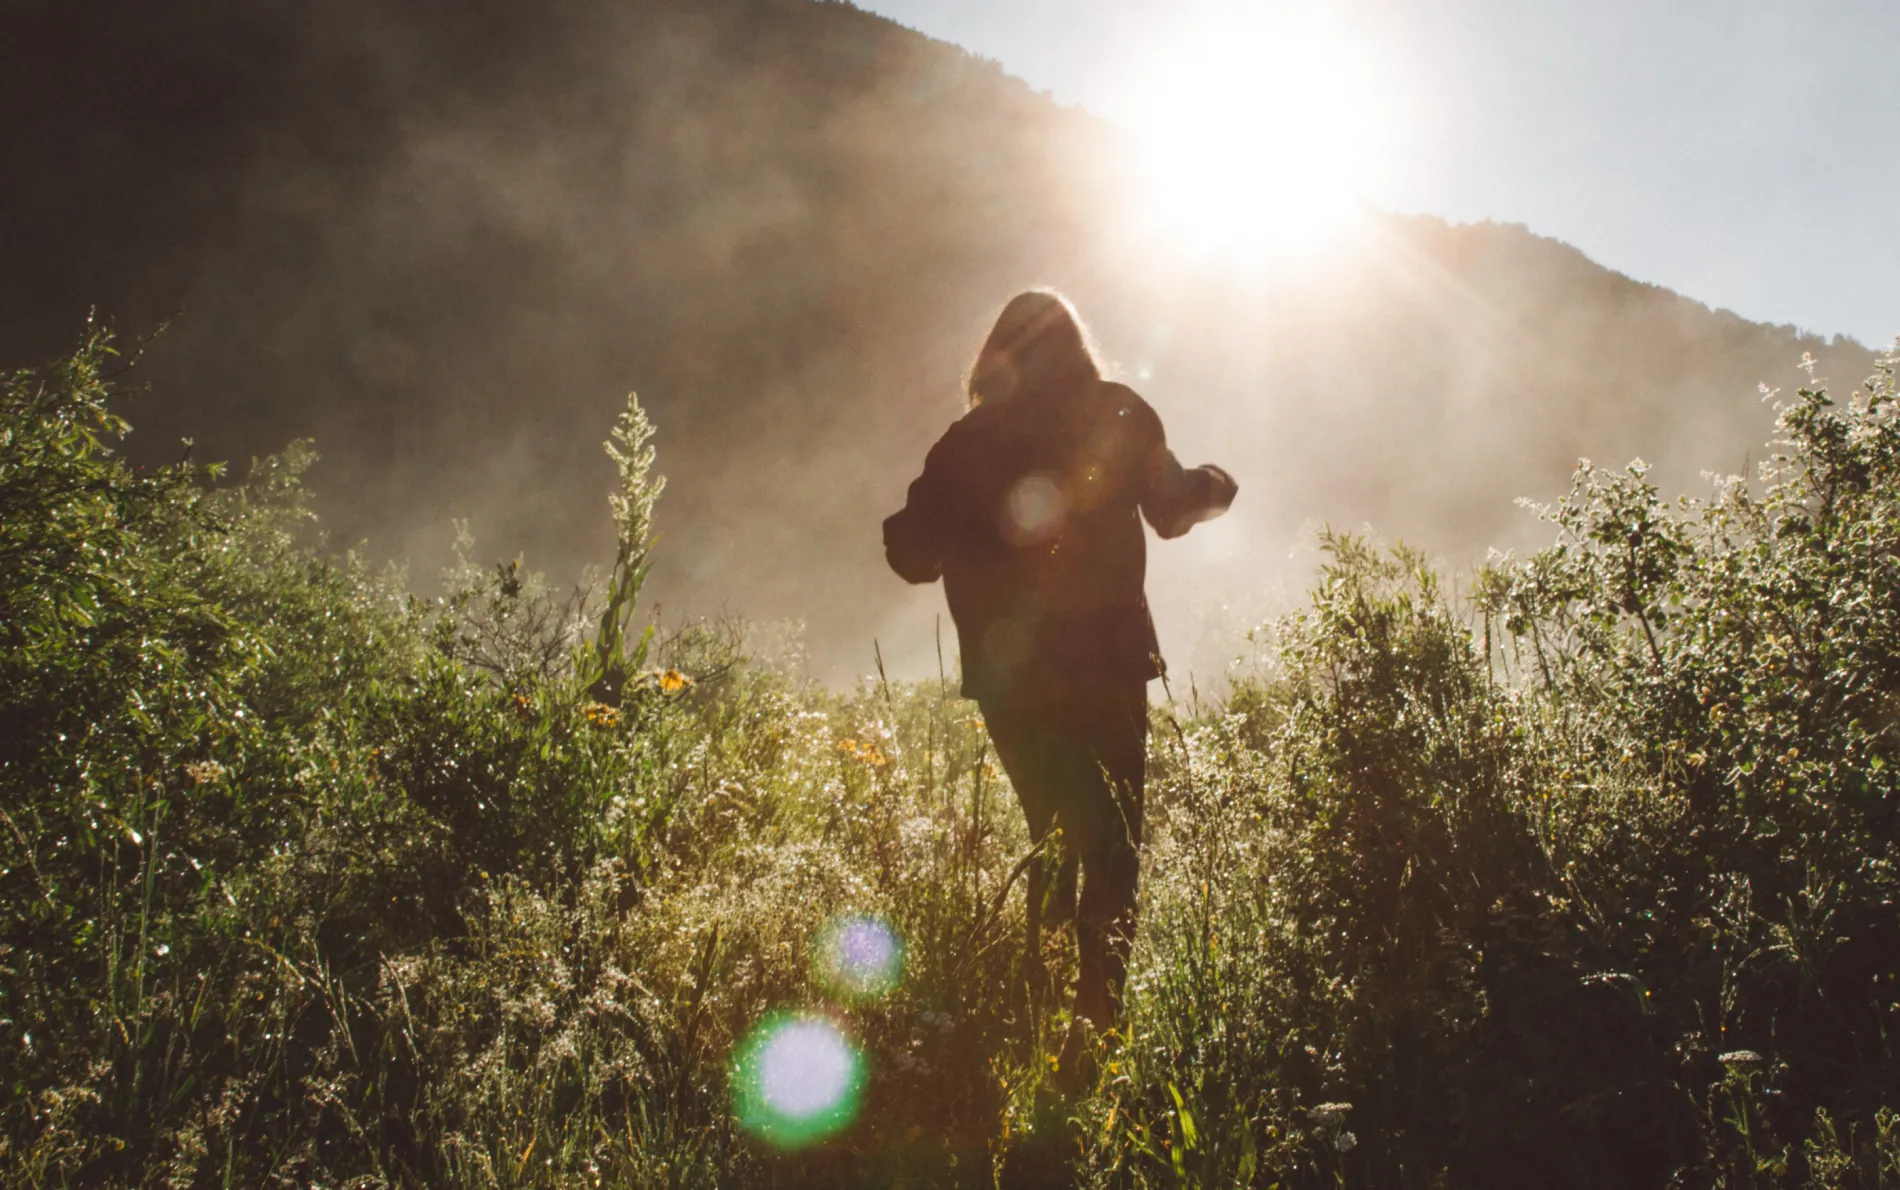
(914, 535)
(1175, 498)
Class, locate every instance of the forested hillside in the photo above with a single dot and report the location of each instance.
(445, 239)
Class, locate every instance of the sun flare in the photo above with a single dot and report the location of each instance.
(1258, 135)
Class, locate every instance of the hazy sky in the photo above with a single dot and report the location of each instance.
(1745, 153)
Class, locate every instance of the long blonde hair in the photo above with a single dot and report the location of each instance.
(1038, 345)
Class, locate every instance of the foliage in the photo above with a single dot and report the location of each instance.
(1586, 878)
(1593, 884)
(304, 880)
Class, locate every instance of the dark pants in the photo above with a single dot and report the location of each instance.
(1080, 767)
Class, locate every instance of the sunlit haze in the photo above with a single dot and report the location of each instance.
(787, 226)
(920, 593)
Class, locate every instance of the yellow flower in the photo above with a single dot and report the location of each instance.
(868, 754)
(601, 715)
(672, 681)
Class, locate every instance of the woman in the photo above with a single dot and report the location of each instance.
(1027, 509)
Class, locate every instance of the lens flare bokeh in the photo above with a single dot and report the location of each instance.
(796, 1080)
(1033, 510)
(858, 956)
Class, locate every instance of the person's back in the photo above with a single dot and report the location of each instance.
(1029, 508)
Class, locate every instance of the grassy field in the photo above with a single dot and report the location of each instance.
(1580, 874)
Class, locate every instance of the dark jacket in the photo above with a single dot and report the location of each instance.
(1027, 511)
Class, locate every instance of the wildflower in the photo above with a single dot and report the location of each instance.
(866, 754)
(672, 681)
(601, 715)
(204, 772)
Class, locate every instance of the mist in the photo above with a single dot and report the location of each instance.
(445, 241)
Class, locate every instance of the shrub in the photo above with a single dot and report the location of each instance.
(1587, 881)
(306, 880)
(1586, 877)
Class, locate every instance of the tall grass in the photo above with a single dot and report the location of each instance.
(1583, 878)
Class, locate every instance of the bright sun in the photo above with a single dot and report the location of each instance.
(1259, 135)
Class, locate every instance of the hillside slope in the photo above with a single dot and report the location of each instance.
(445, 239)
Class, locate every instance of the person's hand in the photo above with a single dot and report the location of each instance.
(1221, 489)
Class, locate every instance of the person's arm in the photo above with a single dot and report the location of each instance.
(913, 536)
(1174, 498)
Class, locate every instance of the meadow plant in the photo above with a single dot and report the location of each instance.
(1584, 877)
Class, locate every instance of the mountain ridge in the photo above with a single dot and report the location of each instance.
(445, 240)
